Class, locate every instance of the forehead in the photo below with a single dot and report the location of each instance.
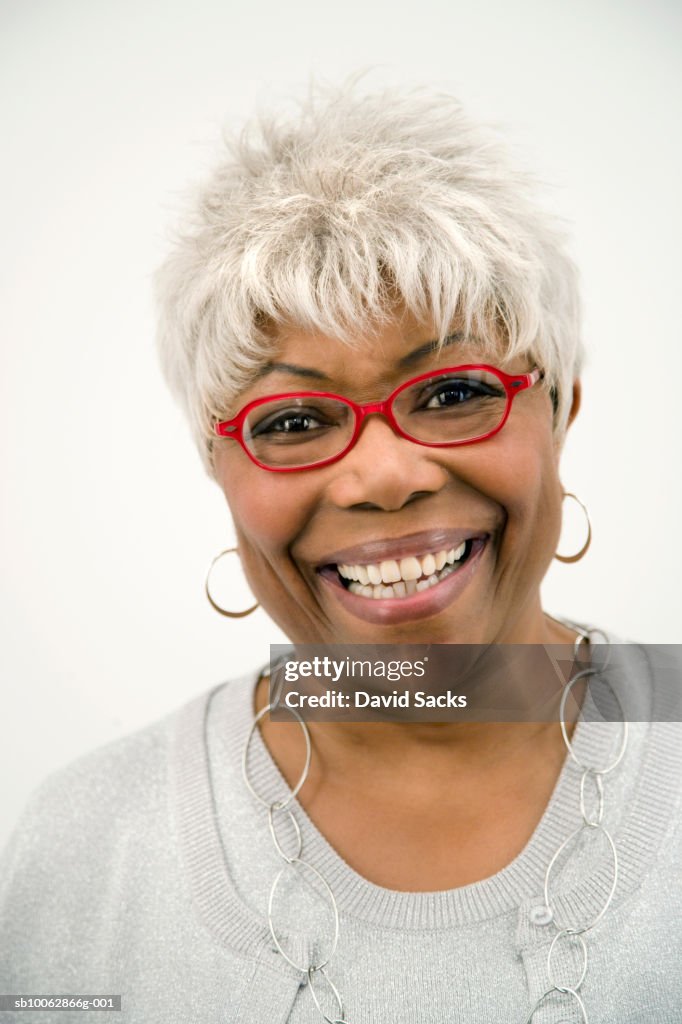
(390, 353)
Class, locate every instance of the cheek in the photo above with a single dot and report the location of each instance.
(536, 508)
(268, 509)
(520, 473)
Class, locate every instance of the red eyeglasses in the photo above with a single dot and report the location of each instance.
(306, 429)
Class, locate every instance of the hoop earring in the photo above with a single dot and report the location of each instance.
(218, 608)
(588, 540)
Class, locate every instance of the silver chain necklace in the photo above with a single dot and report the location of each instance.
(567, 933)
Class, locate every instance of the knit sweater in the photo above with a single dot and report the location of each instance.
(143, 869)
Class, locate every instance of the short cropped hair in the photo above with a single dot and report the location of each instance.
(331, 219)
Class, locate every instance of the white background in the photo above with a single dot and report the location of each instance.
(108, 521)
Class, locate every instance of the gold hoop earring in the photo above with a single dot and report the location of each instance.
(214, 604)
(588, 540)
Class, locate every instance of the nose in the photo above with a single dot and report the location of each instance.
(383, 470)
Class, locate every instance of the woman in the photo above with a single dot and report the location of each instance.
(374, 332)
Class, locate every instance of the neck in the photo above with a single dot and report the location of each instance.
(426, 751)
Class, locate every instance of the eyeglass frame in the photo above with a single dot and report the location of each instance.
(514, 384)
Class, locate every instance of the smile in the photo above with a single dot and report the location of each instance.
(402, 578)
(399, 580)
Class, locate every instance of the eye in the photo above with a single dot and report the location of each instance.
(293, 421)
(284, 422)
(454, 391)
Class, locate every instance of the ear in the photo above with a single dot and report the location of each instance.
(575, 402)
(560, 437)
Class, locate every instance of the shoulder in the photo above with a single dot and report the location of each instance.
(94, 875)
(95, 801)
(648, 680)
(128, 768)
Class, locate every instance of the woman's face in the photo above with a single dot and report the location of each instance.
(390, 500)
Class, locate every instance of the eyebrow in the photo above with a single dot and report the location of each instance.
(429, 347)
(412, 357)
(298, 371)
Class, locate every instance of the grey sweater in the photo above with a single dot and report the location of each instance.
(143, 869)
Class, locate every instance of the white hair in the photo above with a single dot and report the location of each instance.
(332, 220)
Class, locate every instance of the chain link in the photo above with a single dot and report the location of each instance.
(312, 974)
(575, 998)
(306, 767)
(568, 934)
(297, 865)
(272, 810)
(590, 773)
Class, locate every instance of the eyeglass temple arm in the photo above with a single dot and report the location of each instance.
(225, 430)
(526, 380)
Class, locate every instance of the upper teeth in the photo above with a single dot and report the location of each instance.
(407, 569)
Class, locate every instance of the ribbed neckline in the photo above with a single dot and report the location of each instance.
(228, 712)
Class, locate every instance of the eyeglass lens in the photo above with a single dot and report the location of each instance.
(448, 407)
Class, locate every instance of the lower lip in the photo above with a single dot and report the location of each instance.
(385, 611)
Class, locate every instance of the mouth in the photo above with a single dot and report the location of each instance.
(394, 579)
(415, 573)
